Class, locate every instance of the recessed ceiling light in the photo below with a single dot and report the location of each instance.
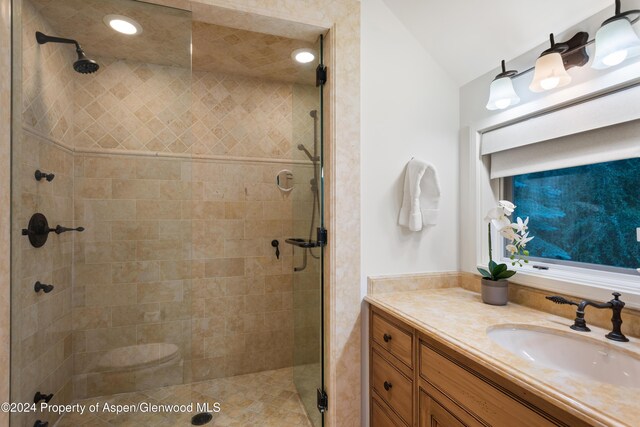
(303, 56)
(123, 24)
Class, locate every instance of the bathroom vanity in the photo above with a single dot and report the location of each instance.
(432, 363)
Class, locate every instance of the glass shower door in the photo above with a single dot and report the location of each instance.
(308, 358)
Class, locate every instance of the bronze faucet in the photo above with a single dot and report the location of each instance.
(580, 324)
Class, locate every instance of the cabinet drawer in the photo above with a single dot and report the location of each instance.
(393, 339)
(393, 387)
(432, 414)
(381, 416)
(474, 394)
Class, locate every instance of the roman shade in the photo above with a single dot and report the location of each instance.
(600, 130)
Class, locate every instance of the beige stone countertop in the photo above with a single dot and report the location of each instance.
(459, 318)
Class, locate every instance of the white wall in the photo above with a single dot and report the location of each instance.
(409, 108)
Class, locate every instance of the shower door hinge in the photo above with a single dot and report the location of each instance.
(323, 401)
(321, 75)
(322, 237)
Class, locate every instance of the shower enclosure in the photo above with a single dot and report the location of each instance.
(153, 159)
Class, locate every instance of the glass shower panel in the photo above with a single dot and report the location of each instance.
(118, 315)
(308, 261)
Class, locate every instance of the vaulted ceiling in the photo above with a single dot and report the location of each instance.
(468, 38)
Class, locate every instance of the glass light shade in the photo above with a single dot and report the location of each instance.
(550, 73)
(502, 94)
(615, 42)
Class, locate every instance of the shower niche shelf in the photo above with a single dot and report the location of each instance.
(38, 230)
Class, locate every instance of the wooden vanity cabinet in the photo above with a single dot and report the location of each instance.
(417, 380)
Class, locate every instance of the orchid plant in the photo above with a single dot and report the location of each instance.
(517, 236)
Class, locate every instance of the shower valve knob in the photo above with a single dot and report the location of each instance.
(42, 287)
(38, 397)
(39, 175)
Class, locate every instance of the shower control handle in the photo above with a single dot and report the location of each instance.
(42, 287)
(276, 244)
(60, 229)
(40, 397)
(39, 175)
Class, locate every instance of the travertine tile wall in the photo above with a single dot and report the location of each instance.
(131, 271)
(242, 312)
(47, 80)
(41, 322)
(226, 278)
(129, 105)
(180, 252)
(42, 352)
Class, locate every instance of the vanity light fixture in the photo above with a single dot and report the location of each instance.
(122, 24)
(549, 71)
(616, 41)
(501, 93)
(303, 56)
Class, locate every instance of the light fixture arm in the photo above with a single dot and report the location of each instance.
(620, 14)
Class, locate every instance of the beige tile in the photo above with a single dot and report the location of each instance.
(152, 209)
(134, 230)
(133, 272)
(225, 267)
(159, 292)
(158, 169)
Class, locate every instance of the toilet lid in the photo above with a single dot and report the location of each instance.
(138, 356)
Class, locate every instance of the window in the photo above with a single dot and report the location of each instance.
(584, 216)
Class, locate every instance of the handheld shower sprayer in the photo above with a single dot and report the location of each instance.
(83, 65)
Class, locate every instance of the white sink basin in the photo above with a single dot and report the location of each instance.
(569, 353)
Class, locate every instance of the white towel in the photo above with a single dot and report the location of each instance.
(421, 196)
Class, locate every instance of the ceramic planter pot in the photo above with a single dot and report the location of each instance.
(494, 293)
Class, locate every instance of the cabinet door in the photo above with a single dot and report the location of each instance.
(381, 416)
(432, 414)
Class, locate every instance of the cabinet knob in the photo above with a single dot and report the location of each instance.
(387, 385)
(386, 337)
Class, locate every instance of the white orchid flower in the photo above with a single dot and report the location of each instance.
(525, 239)
(508, 233)
(521, 226)
(498, 218)
(507, 206)
(512, 249)
(501, 223)
(495, 213)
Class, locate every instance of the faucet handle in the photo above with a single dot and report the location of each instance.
(561, 300)
(616, 320)
(616, 302)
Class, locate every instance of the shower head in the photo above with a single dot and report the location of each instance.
(83, 65)
(313, 113)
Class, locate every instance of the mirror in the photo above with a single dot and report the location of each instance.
(284, 180)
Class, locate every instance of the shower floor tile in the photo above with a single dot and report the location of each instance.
(265, 399)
